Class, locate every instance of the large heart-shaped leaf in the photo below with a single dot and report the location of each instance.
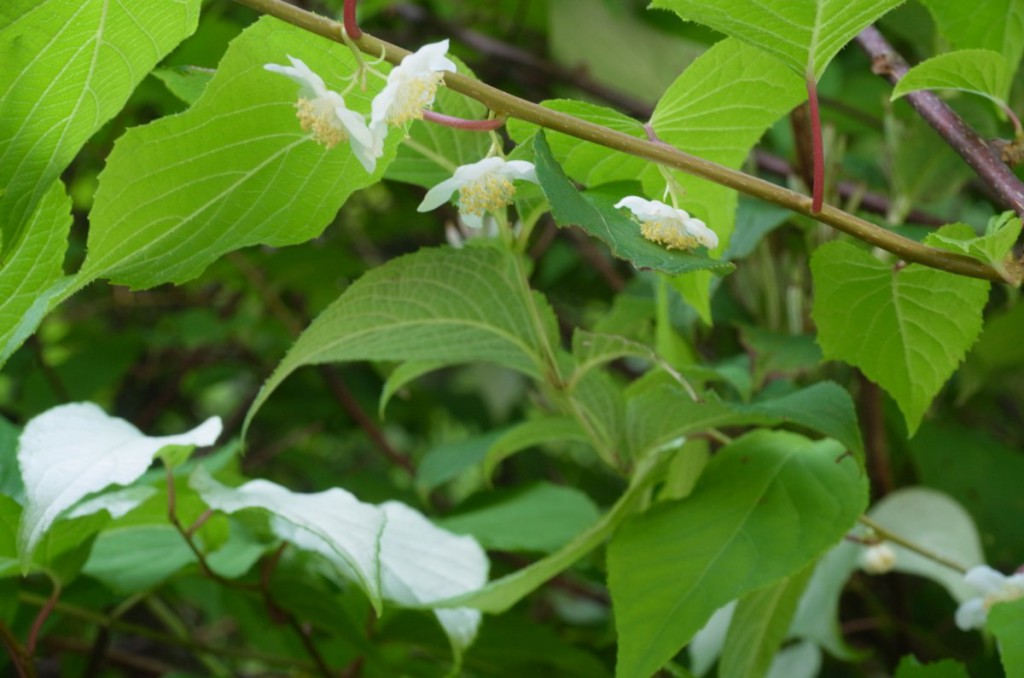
(805, 34)
(906, 328)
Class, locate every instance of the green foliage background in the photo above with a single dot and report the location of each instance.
(174, 248)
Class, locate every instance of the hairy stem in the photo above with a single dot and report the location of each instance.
(505, 104)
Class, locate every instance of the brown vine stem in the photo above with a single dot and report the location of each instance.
(985, 161)
(507, 105)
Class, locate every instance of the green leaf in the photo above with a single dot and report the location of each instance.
(994, 247)
(759, 625)
(765, 507)
(68, 68)
(447, 460)
(994, 24)
(532, 433)
(743, 92)
(1006, 621)
(598, 405)
(825, 407)
(399, 378)
(501, 594)
(185, 82)
(906, 329)
(123, 557)
(431, 152)
(660, 416)
(438, 305)
(537, 517)
(805, 35)
(910, 667)
(595, 213)
(980, 71)
(234, 170)
(32, 269)
(592, 350)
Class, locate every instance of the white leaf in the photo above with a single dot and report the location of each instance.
(393, 552)
(333, 523)
(937, 522)
(421, 564)
(74, 450)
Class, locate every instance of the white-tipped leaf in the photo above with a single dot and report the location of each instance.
(392, 551)
(74, 450)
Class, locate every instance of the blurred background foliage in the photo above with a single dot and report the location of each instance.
(171, 356)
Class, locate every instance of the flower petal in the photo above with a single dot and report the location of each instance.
(428, 58)
(985, 579)
(439, 195)
(520, 169)
(971, 615)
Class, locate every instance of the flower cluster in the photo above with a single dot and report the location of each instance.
(411, 87)
(995, 587)
(668, 226)
(484, 187)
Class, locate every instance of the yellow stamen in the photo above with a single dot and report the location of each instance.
(670, 234)
(489, 193)
(413, 96)
(320, 121)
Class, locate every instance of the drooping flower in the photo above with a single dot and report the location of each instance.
(668, 226)
(484, 187)
(411, 87)
(324, 113)
(995, 587)
(878, 558)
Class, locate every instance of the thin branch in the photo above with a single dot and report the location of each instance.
(22, 664)
(505, 104)
(911, 546)
(37, 623)
(887, 62)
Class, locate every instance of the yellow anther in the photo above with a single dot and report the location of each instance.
(489, 193)
(668, 233)
(320, 120)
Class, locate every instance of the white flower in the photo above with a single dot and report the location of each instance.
(995, 587)
(668, 226)
(483, 187)
(878, 558)
(411, 87)
(323, 112)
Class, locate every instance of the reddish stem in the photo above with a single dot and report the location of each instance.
(37, 624)
(818, 190)
(349, 18)
(461, 123)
